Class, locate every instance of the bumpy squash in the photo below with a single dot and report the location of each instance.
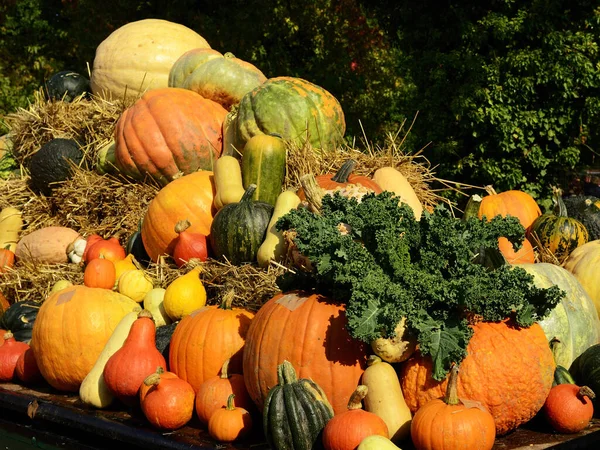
(168, 132)
(138, 56)
(224, 79)
(574, 321)
(584, 263)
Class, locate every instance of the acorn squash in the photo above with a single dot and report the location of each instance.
(19, 319)
(66, 86)
(53, 163)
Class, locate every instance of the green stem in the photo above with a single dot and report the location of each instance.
(344, 172)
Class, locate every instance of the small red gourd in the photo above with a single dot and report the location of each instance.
(447, 423)
(167, 401)
(100, 273)
(188, 245)
(9, 354)
(27, 370)
(213, 393)
(109, 248)
(90, 240)
(346, 430)
(569, 408)
(229, 423)
(128, 367)
(7, 259)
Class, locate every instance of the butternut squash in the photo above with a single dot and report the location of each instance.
(228, 181)
(390, 179)
(93, 390)
(385, 397)
(273, 247)
(153, 302)
(11, 224)
(377, 442)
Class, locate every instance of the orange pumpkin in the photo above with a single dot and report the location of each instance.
(507, 368)
(569, 408)
(205, 339)
(189, 197)
(513, 202)
(309, 331)
(230, 423)
(168, 132)
(100, 273)
(524, 255)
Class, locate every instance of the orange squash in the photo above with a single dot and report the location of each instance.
(168, 132)
(525, 254)
(508, 369)
(513, 202)
(309, 331)
(189, 197)
(206, 338)
(100, 273)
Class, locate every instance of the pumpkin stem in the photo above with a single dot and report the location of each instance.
(152, 380)
(554, 344)
(247, 197)
(224, 369)
(228, 55)
(182, 225)
(145, 314)
(490, 190)
(227, 299)
(341, 176)
(7, 335)
(357, 397)
(312, 191)
(451, 397)
(560, 209)
(286, 374)
(373, 359)
(230, 404)
(586, 391)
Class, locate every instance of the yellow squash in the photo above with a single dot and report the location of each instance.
(377, 442)
(184, 295)
(390, 179)
(228, 181)
(11, 224)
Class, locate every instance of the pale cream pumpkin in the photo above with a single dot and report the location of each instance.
(138, 56)
(584, 263)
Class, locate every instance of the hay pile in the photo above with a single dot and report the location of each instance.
(110, 204)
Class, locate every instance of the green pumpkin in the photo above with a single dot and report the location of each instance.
(293, 108)
(19, 319)
(574, 321)
(586, 209)
(557, 232)
(238, 229)
(295, 412)
(586, 370)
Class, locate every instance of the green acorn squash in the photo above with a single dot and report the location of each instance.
(586, 209)
(586, 370)
(263, 164)
(574, 321)
(295, 412)
(53, 163)
(19, 319)
(238, 229)
(66, 86)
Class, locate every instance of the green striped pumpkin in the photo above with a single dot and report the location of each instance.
(263, 164)
(574, 321)
(295, 412)
(290, 107)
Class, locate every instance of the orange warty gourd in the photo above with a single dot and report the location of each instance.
(569, 408)
(214, 392)
(448, 424)
(507, 368)
(189, 197)
(128, 367)
(10, 351)
(229, 423)
(515, 203)
(167, 401)
(524, 255)
(309, 331)
(167, 132)
(71, 329)
(346, 430)
(206, 338)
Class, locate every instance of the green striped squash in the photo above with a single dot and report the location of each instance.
(574, 321)
(263, 164)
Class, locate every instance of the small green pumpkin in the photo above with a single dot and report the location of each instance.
(586, 369)
(557, 232)
(19, 319)
(263, 164)
(295, 412)
(586, 209)
(238, 229)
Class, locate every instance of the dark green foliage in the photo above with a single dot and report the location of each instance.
(53, 163)
(390, 266)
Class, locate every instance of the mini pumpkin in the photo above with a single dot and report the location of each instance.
(230, 423)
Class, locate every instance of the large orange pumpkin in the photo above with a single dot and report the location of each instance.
(514, 203)
(205, 339)
(168, 132)
(508, 369)
(71, 329)
(189, 197)
(309, 331)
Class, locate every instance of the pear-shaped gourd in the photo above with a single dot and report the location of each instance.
(134, 284)
(154, 302)
(184, 295)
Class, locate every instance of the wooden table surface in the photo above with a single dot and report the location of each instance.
(66, 423)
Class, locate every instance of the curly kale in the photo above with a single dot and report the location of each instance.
(437, 272)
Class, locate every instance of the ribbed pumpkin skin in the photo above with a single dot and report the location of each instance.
(574, 321)
(19, 318)
(509, 370)
(138, 56)
(560, 235)
(168, 132)
(515, 203)
(71, 329)
(584, 263)
(287, 106)
(222, 78)
(206, 338)
(189, 197)
(310, 332)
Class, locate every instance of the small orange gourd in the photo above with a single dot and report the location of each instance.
(447, 423)
(9, 354)
(188, 244)
(569, 408)
(100, 273)
(167, 401)
(229, 423)
(7, 259)
(129, 366)
(346, 430)
(109, 248)
(27, 370)
(213, 393)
